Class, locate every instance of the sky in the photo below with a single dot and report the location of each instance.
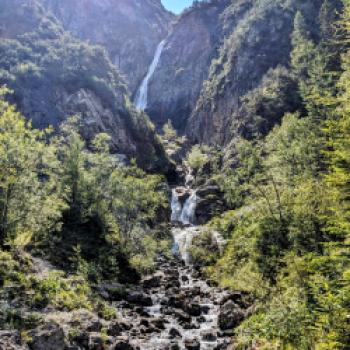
(177, 6)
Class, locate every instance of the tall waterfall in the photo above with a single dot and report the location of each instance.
(142, 93)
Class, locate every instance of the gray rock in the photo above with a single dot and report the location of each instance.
(192, 344)
(47, 337)
(230, 315)
(11, 340)
(139, 298)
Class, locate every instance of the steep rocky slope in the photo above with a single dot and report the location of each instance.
(258, 44)
(190, 47)
(54, 76)
(220, 57)
(130, 30)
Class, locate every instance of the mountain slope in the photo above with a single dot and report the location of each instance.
(222, 53)
(260, 43)
(55, 76)
(130, 30)
(190, 47)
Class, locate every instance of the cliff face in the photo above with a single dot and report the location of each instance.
(130, 30)
(190, 47)
(260, 42)
(218, 55)
(54, 76)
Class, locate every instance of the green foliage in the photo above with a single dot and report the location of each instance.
(27, 204)
(197, 158)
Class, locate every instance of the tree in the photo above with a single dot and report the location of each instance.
(30, 194)
(196, 158)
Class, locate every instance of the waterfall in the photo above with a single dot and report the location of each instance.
(176, 207)
(186, 213)
(142, 93)
(189, 210)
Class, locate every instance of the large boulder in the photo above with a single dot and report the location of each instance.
(139, 298)
(47, 337)
(230, 315)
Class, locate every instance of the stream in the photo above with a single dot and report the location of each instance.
(176, 309)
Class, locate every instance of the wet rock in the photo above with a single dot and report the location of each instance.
(142, 312)
(192, 344)
(193, 309)
(205, 309)
(139, 298)
(183, 193)
(158, 323)
(153, 281)
(11, 340)
(115, 329)
(47, 337)
(209, 335)
(230, 315)
(174, 333)
(122, 345)
(182, 316)
(184, 278)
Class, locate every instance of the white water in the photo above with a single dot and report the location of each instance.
(186, 213)
(142, 93)
(183, 238)
(189, 210)
(176, 207)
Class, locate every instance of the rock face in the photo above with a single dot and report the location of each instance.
(69, 78)
(257, 43)
(220, 54)
(130, 30)
(178, 79)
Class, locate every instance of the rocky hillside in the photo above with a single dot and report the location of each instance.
(130, 30)
(55, 76)
(222, 53)
(177, 82)
(250, 57)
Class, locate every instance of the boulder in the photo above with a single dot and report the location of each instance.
(139, 298)
(174, 333)
(192, 344)
(47, 337)
(182, 316)
(209, 335)
(193, 309)
(230, 316)
(153, 281)
(122, 345)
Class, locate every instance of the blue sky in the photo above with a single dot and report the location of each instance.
(177, 6)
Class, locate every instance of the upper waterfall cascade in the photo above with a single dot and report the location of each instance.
(141, 99)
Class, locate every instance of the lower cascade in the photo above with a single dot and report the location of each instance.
(175, 308)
